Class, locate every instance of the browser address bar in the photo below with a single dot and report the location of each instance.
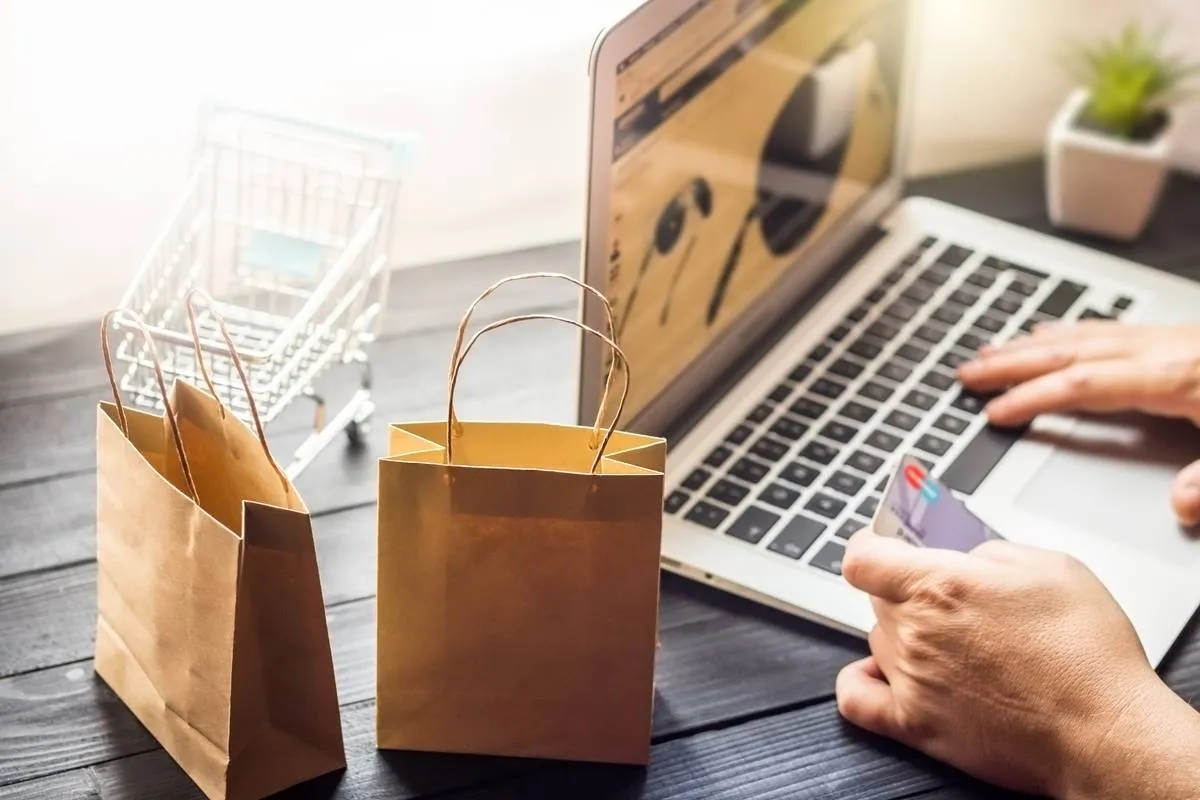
(715, 46)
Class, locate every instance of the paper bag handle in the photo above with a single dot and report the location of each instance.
(162, 387)
(236, 358)
(612, 331)
(454, 429)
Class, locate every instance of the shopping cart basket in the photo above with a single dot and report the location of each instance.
(287, 223)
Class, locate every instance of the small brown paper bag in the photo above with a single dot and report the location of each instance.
(518, 583)
(211, 624)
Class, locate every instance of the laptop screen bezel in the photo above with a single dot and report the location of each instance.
(611, 48)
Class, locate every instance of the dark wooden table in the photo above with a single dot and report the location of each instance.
(745, 705)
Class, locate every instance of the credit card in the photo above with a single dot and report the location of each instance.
(920, 509)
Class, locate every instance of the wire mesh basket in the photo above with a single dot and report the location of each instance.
(287, 223)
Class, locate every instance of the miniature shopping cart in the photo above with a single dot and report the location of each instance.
(287, 224)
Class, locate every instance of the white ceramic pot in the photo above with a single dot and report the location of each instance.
(1100, 184)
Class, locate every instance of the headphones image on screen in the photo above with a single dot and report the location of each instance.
(668, 231)
(800, 162)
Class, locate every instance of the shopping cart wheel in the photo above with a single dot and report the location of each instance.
(356, 433)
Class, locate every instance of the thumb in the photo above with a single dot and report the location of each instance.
(865, 698)
(1185, 495)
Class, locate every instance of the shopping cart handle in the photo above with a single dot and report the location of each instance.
(401, 146)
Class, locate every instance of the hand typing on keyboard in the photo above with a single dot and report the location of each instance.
(1017, 666)
(1097, 366)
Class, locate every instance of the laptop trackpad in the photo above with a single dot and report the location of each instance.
(1111, 477)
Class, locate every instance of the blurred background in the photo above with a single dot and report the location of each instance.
(98, 107)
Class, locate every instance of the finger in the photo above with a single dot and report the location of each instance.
(1005, 367)
(1185, 495)
(865, 699)
(1065, 332)
(888, 568)
(1115, 385)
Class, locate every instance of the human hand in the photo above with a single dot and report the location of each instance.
(1011, 663)
(1097, 366)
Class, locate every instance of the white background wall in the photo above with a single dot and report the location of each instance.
(97, 105)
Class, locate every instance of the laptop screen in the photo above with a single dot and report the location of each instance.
(745, 129)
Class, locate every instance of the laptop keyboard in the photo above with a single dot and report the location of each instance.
(807, 466)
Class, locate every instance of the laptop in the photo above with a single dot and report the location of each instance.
(746, 217)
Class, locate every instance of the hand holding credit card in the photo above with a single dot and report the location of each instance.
(920, 509)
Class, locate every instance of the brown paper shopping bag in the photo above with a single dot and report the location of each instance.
(211, 623)
(518, 584)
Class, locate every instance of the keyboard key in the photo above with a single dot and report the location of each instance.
(846, 369)
(970, 402)
(839, 432)
(749, 470)
(827, 388)
(982, 277)
(698, 478)
(928, 241)
(951, 424)
(769, 449)
(706, 514)
(779, 495)
(875, 391)
(829, 558)
(865, 349)
(811, 409)
(780, 393)
(876, 295)
(964, 297)
(718, 457)
(882, 440)
(796, 537)
(801, 372)
(1008, 303)
(819, 452)
(933, 444)
(979, 458)
(800, 474)
(760, 413)
(728, 492)
(1036, 276)
(894, 372)
(937, 274)
(952, 360)
(1023, 287)
(752, 525)
(902, 420)
(868, 507)
(884, 330)
(739, 434)
(826, 506)
(930, 333)
(1121, 303)
(1091, 313)
(971, 342)
(675, 501)
(864, 462)
(912, 352)
(989, 323)
(955, 255)
(789, 428)
(1065, 295)
(937, 380)
(922, 400)
(919, 292)
(883, 482)
(857, 412)
(893, 277)
(819, 352)
(851, 527)
(902, 310)
(859, 314)
(948, 314)
(845, 483)
(840, 332)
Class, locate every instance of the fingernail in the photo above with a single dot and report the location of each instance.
(1191, 500)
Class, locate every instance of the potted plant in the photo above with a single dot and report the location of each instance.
(1108, 147)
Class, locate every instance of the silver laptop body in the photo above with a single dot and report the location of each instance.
(740, 153)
